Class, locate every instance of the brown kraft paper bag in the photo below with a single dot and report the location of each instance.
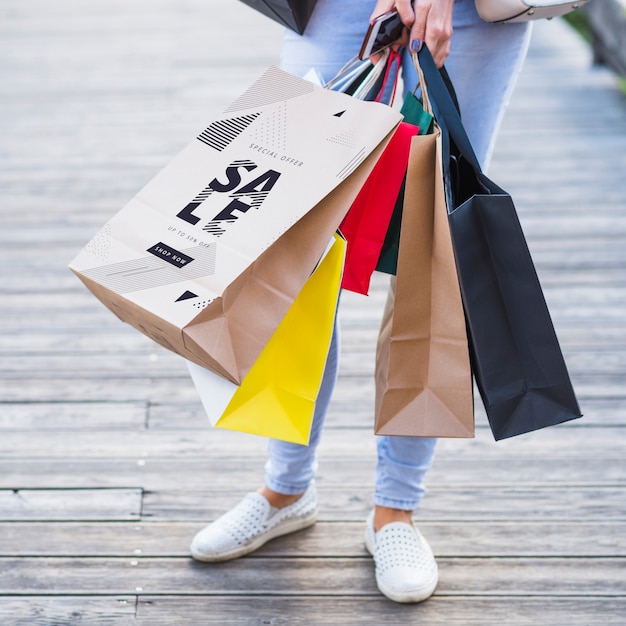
(423, 375)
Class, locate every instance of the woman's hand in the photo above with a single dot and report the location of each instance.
(429, 21)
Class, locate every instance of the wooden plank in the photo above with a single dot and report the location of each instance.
(68, 611)
(177, 387)
(466, 504)
(46, 341)
(72, 337)
(346, 413)
(300, 611)
(112, 389)
(86, 307)
(313, 576)
(77, 416)
(357, 363)
(344, 472)
(437, 611)
(327, 539)
(136, 388)
(70, 504)
(336, 503)
(149, 360)
(589, 300)
(558, 442)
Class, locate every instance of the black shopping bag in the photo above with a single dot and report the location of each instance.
(293, 14)
(516, 358)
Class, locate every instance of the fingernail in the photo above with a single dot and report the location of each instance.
(416, 45)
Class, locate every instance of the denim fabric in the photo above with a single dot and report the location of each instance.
(484, 63)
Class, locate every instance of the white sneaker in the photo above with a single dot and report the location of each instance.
(406, 570)
(250, 524)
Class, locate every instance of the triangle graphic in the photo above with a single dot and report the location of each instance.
(187, 296)
(339, 114)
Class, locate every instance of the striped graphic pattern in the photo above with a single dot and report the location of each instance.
(222, 132)
(253, 198)
(207, 191)
(274, 86)
(352, 164)
(150, 272)
(218, 228)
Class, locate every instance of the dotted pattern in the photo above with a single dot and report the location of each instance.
(202, 304)
(271, 130)
(347, 138)
(100, 245)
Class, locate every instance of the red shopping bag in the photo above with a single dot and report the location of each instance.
(367, 221)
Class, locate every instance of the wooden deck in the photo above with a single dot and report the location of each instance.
(107, 464)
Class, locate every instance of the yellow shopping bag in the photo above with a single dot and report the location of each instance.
(277, 397)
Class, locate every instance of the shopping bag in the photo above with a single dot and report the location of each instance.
(200, 260)
(367, 221)
(413, 113)
(277, 397)
(516, 358)
(423, 373)
(293, 14)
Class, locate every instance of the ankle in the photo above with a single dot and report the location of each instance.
(278, 500)
(384, 515)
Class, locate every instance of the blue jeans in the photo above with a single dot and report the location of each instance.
(484, 63)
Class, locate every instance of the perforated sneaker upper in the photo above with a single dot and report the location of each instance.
(250, 523)
(243, 522)
(406, 570)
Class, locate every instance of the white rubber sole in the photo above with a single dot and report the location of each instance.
(286, 528)
(419, 594)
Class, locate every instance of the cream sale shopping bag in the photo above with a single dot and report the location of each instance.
(200, 260)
